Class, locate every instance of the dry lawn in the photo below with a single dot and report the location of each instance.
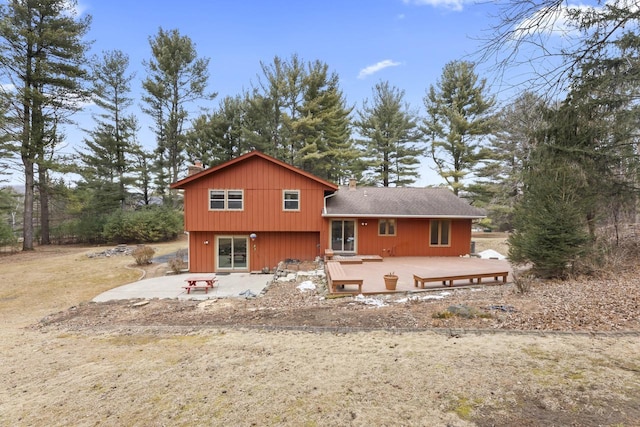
(188, 376)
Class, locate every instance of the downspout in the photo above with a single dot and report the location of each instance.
(324, 208)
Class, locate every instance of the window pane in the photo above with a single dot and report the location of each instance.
(392, 227)
(224, 252)
(444, 232)
(336, 235)
(382, 226)
(291, 200)
(435, 224)
(217, 199)
(349, 235)
(239, 252)
(234, 198)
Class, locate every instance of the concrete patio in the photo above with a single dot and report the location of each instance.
(171, 286)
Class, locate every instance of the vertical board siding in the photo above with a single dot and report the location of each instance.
(411, 239)
(262, 183)
(266, 251)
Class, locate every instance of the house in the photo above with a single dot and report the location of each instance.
(254, 211)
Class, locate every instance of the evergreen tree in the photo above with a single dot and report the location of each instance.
(270, 103)
(327, 148)
(389, 134)
(142, 171)
(298, 114)
(176, 79)
(519, 128)
(550, 230)
(107, 158)
(219, 137)
(458, 119)
(42, 56)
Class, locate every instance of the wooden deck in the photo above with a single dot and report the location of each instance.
(372, 273)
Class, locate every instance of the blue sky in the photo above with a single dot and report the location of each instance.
(364, 41)
(415, 38)
(405, 42)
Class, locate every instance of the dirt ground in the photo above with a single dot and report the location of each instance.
(563, 354)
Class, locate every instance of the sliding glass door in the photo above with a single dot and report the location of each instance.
(343, 235)
(232, 253)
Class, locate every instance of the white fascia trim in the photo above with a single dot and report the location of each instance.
(403, 216)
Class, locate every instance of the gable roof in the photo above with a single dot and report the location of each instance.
(253, 154)
(398, 202)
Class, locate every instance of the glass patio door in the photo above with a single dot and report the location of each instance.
(343, 235)
(232, 253)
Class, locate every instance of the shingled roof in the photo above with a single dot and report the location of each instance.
(395, 202)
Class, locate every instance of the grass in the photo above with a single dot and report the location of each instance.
(120, 376)
(53, 278)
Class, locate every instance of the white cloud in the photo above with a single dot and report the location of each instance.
(77, 8)
(371, 69)
(556, 21)
(456, 5)
(7, 88)
(548, 21)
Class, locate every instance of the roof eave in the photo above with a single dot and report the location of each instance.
(336, 215)
(183, 182)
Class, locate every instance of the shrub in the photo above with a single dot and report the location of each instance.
(6, 235)
(177, 264)
(143, 254)
(155, 224)
(523, 281)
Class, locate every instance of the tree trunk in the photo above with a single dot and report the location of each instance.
(27, 223)
(43, 188)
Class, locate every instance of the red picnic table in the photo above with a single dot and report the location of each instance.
(200, 283)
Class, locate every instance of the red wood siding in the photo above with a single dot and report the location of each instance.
(411, 239)
(263, 183)
(267, 250)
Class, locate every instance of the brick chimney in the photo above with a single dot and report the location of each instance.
(352, 184)
(197, 167)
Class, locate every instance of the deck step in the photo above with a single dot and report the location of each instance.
(357, 259)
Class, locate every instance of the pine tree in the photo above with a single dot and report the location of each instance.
(519, 128)
(219, 137)
(389, 134)
(458, 119)
(297, 113)
(42, 56)
(327, 148)
(176, 79)
(107, 158)
(549, 223)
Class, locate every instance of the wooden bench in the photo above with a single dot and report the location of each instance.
(328, 255)
(192, 283)
(336, 276)
(421, 280)
(204, 288)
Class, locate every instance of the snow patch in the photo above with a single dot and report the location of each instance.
(374, 302)
(491, 254)
(307, 285)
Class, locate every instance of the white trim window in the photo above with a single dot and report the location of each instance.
(291, 200)
(440, 232)
(386, 227)
(226, 200)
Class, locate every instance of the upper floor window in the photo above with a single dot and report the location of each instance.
(387, 227)
(440, 232)
(291, 200)
(221, 200)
